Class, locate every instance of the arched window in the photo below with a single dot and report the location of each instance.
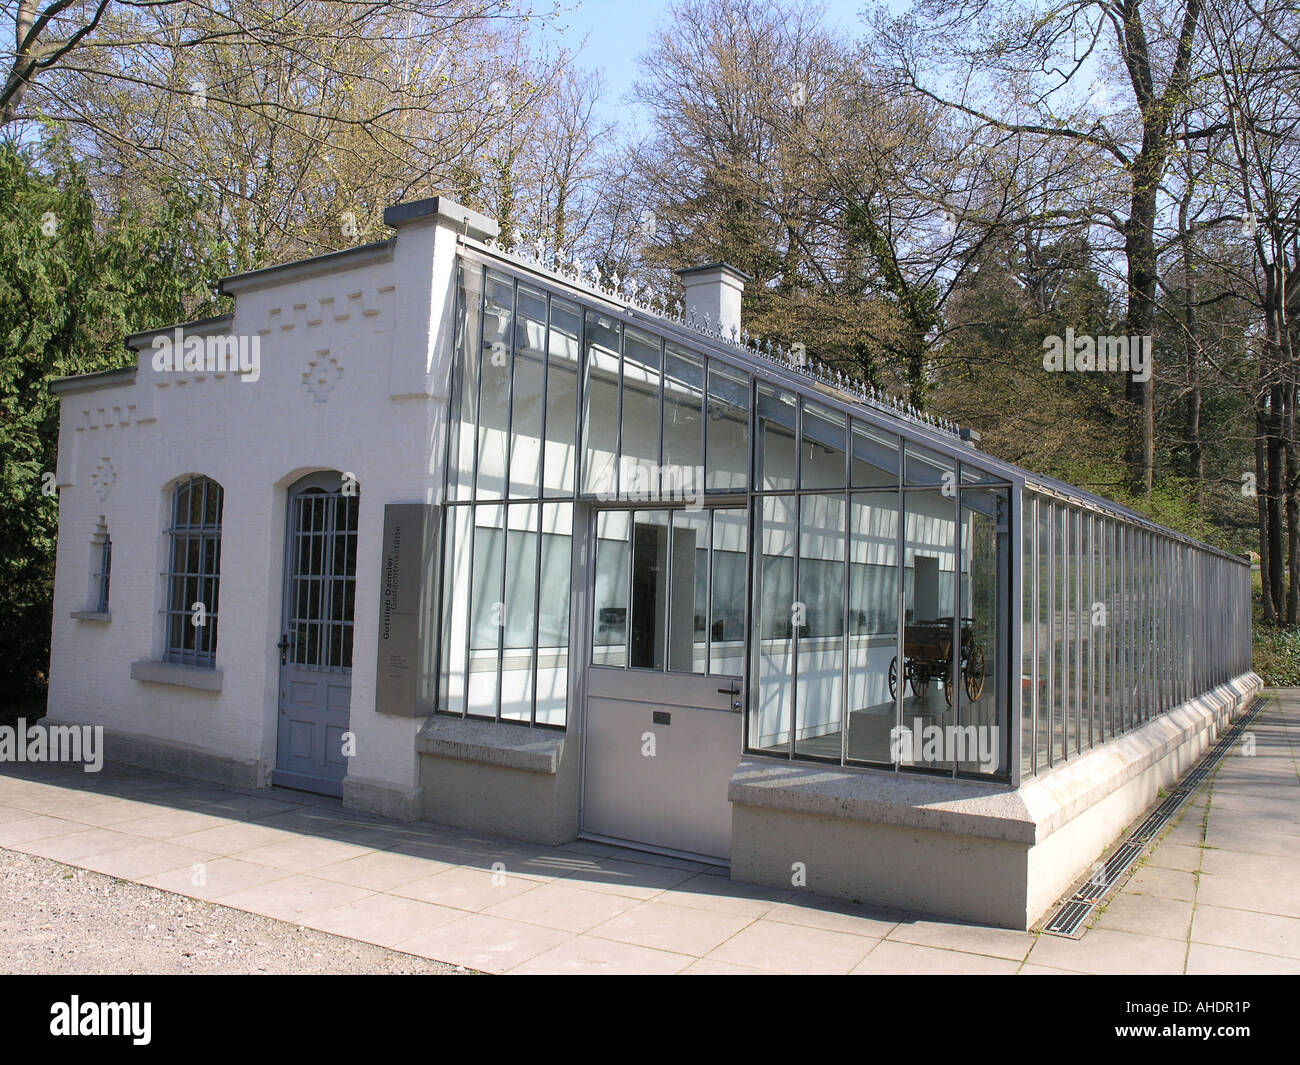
(193, 573)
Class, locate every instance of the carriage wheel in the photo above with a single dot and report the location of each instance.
(975, 673)
(920, 681)
(893, 679)
(947, 687)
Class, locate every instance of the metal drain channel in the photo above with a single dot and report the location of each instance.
(1079, 906)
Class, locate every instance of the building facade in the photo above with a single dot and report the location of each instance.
(461, 535)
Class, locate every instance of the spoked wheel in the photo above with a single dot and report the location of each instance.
(920, 681)
(975, 673)
(947, 687)
(893, 679)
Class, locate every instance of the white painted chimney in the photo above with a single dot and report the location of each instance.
(713, 293)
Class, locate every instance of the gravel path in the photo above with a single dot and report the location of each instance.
(58, 919)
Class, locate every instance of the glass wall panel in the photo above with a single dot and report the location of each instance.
(873, 623)
(600, 416)
(526, 403)
(1045, 571)
(561, 457)
(494, 386)
(982, 694)
(1061, 636)
(683, 421)
(487, 611)
(925, 467)
(875, 457)
(639, 457)
(819, 618)
(727, 595)
(776, 414)
(726, 456)
(822, 454)
(519, 614)
(610, 602)
(1078, 582)
(648, 618)
(553, 614)
(928, 662)
(1028, 630)
(463, 411)
(688, 592)
(456, 569)
(771, 683)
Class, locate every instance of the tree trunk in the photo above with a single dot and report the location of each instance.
(1261, 506)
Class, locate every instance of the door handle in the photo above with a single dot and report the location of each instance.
(284, 646)
(733, 691)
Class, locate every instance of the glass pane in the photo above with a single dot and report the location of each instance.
(1060, 633)
(562, 399)
(487, 611)
(600, 407)
(553, 614)
(727, 604)
(926, 467)
(683, 422)
(688, 566)
(519, 615)
(609, 608)
(639, 458)
(771, 687)
(873, 623)
(1044, 570)
(526, 398)
(875, 457)
(928, 646)
(982, 693)
(463, 413)
(494, 388)
(819, 720)
(775, 415)
(649, 615)
(726, 461)
(1028, 627)
(822, 455)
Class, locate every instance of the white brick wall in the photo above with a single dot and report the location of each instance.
(387, 324)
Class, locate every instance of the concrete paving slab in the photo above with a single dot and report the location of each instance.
(589, 956)
(294, 897)
(489, 944)
(563, 906)
(1261, 933)
(676, 929)
(898, 958)
(794, 949)
(383, 919)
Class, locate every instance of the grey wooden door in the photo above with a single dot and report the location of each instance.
(664, 680)
(316, 646)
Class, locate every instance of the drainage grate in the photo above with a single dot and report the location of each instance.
(1079, 906)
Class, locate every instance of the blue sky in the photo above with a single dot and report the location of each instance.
(618, 31)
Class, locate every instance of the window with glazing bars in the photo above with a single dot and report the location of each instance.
(193, 573)
(105, 561)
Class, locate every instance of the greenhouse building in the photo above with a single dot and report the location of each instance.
(488, 538)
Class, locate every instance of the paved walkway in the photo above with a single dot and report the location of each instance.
(1220, 893)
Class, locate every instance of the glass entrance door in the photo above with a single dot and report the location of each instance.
(664, 682)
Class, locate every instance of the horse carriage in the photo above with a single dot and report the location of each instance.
(927, 656)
